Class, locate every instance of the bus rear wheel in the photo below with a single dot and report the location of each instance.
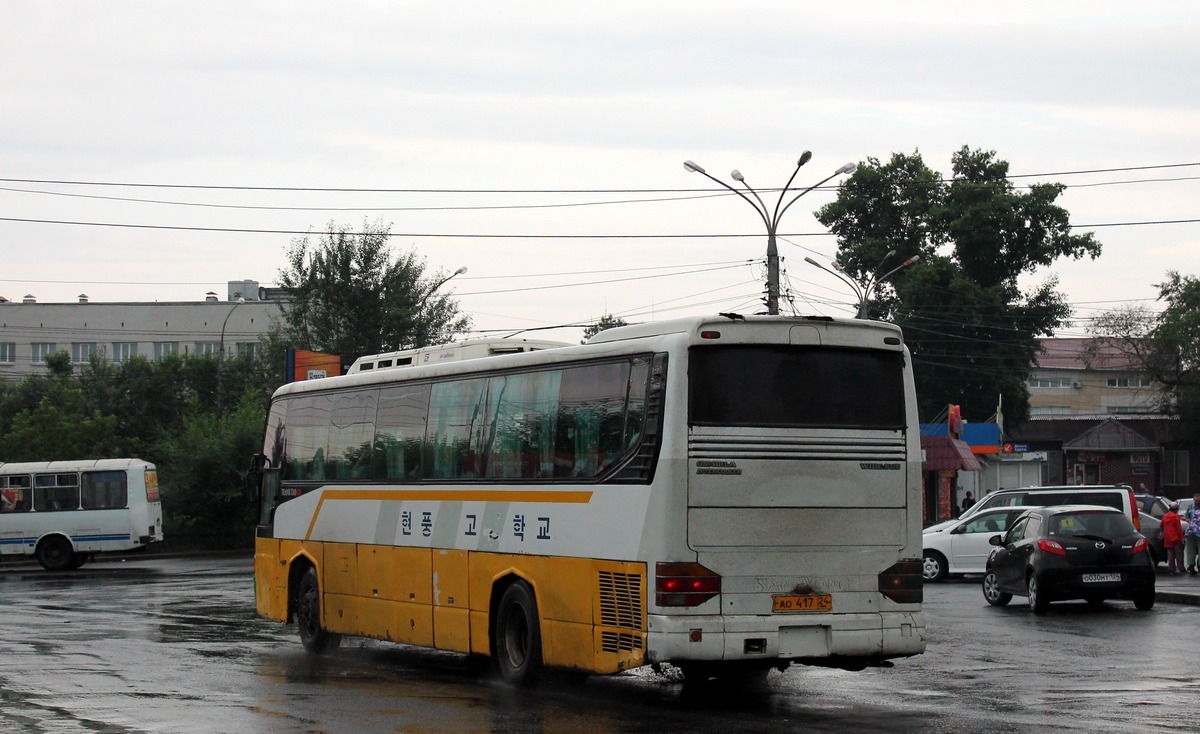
(56, 553)
(308, 616)
(517, 636)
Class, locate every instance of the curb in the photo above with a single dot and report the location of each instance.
(1177, 597)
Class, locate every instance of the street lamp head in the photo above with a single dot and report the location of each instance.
(848, 168)
(805, 157)
(690, 166)
(736, 175)
(460, 271)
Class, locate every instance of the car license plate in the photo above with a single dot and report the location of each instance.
(783, 603)
(1100, 578)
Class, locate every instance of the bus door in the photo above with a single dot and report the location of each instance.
(14, 513)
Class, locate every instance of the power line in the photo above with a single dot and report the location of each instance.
(426, 235)
(210, 187)
(595, 282)
(511, 236)
(462, 277)
(495, 207)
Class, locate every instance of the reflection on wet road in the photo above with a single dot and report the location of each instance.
(174, 645)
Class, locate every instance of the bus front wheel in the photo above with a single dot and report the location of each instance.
(56, 553)
(517, 636)
(308, 616)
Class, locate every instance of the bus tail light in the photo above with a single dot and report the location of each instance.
(685, 584)
(902, 582)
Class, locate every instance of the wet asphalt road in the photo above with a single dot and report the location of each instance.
(173, 645)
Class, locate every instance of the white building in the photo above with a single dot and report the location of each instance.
(31, 331)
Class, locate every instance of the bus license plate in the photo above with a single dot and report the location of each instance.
(801, 603)
(1100, 578)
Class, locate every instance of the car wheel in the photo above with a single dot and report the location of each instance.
(1038, 601)
(934, 566)
(992, 592)
(1144, 601)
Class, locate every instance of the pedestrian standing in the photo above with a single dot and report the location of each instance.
(1172, 531)
(968, 502)
(1191, 536)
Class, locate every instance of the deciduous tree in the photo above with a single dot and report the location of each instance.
(972, 329)
(349, 294)
(1164, 345)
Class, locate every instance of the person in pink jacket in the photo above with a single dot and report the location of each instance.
(1172, 531)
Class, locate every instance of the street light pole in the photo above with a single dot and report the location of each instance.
(439, 284)
(221, 353)
(866, 290)
(425, 298)
(770, 218)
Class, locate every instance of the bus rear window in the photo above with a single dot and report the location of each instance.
(796, 386)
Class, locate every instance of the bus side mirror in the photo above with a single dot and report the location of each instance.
(258, 464)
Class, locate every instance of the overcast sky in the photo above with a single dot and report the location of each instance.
(554, 135)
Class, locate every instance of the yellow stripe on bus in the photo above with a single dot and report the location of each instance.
(451, 495)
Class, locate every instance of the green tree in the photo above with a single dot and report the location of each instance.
(607, 321)
(972, 330)
(202, 469)
(1164, 345)
(52, 432)
(349, 295)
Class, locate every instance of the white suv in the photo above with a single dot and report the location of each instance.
(1118, 496)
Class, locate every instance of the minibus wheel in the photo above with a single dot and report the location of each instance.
(55, 553)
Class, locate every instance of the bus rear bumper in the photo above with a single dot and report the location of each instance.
(843, 640)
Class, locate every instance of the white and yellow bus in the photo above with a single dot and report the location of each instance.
(65, 512)
(727, 495)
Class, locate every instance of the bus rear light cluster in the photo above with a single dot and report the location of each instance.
(684, 584)
(902, 582)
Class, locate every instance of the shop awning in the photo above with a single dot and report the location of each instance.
(945, 453)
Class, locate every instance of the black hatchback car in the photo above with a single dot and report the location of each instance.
(1070, 552)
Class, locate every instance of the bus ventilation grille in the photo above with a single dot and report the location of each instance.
(621, 607)
(619, 641)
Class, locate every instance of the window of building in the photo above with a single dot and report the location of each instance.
(1175, 468)
(1049, 410)
(249, 349)
(1138, 381)
(1037, 381)
(82, 351)
(42, 350)
(8, 352)
(1126, 409)
(162, 349)
(122, 351)
(213, 348)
